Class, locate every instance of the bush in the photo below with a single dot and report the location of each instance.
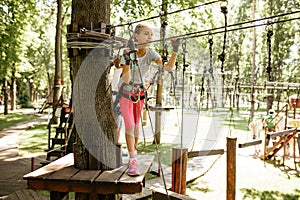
(24, 101)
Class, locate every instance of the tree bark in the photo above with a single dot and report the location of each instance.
(253, 83)
(13, 92)
(95, 133)
(5, 93)
(159, 81)
(58, 55)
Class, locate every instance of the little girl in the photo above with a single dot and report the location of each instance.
(132, 89)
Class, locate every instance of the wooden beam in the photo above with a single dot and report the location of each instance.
(160, 194)
(159, 108)
(247, 144)
(280, 133)
(212, 152)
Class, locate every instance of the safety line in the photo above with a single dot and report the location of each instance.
(165, 14)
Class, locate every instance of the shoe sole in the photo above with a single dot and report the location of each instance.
(129, 174)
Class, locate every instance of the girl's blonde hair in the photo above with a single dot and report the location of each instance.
(139, 27)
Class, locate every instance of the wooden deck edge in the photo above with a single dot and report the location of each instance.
(161, 194)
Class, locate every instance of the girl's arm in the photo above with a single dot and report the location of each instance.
(126, 76)
(170, 64)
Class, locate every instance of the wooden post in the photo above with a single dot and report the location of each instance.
(231, 168)
(179, 165)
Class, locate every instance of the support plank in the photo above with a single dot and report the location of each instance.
(247, 144)
(161, 194)
(280, 133)
(193, 154)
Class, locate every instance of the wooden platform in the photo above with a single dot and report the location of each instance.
(62, 176)
(26, 195)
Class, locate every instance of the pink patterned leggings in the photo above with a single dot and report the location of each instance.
(131, 113)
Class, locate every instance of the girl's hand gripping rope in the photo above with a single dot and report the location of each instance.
(175, 44)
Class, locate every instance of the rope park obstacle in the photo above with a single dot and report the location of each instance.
(105, 38)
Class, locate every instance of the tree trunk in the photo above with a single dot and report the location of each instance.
(5, 93)
(13, 93)
(159, 81)
(94, 121)
(49, 84)
(58, 54)
(253, 62)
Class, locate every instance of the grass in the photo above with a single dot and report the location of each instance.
(164, 149)
(34, 141)
(266, 195)
(239, 123)
(14, 118)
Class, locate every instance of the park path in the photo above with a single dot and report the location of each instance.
(12, 166)
(211, 184)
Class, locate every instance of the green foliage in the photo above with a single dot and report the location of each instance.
(15, 16)
(24, 101)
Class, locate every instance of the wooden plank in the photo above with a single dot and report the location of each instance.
(128, 184)
(111, 175)
(161, 194)
(64, 174)
(280, 133)
(144, 164)
(37, 196)
(13, 196)
(21, 195)
(86, 175)
(50, 185)
(247, 144)
(27, 194)
(106, 183)
(145, 194)
(47, 170)
(212, 152)
(36, 184)
(160, 108)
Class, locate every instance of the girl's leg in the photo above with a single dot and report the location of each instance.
(126, 107)
(137, 110)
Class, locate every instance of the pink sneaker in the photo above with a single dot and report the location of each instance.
(133, 168)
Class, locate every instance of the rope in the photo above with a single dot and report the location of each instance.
(230, 28)
(269, 43)
(222, 55)
(166, 14)
(197, 34)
